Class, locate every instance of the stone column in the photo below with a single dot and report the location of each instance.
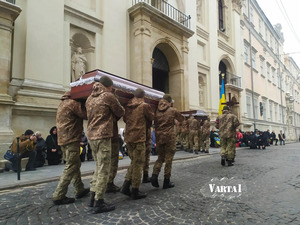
(8, 14)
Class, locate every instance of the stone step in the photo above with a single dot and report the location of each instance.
(24, 162)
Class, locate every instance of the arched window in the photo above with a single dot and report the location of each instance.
(221, 16)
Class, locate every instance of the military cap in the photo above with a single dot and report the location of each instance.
(139, 93)
(226, 107)
(168, 97)
(106, 81)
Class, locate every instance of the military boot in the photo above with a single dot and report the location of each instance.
(112, 188)
(154, 180)
(83, 193)
(168, 184)
(223, 161)
(146, 178)
(136, 194)
(230, 163)
(92, 200)
(101, 207)
(126, 188)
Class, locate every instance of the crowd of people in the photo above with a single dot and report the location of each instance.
(68, 143)
(258, 139)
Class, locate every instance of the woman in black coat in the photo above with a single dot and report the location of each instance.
(54, 153)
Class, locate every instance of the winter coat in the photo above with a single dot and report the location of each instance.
(25, 144)
(227, 124)
(138, 116)
(185, 126)
(69, 120)
(205, 129)
(164, 121)
(53, 157)
(101, 107)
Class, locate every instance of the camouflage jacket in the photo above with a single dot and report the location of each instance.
(205, 128)
(178, 126)
(185, 126)
(164, 121)
(25, 144)
(138, 116)
(69, 120)
(101, 106)
(194, 125)
(227, 124)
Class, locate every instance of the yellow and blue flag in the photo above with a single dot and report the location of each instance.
(222, 97)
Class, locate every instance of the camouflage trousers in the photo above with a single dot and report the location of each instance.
(166, 154)
(190, 140)
(228, 147)
(114, 160)
(147, 156)
(204, 143)
(178, 137)
(194, 140)
(102, 155)
(71, 172)
(184, 140)
(136, 152)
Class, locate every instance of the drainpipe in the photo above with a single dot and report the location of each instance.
(251, 66)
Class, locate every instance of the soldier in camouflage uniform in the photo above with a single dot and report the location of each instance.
(164, 121)
(190, 137)
(227, 124)
(69, 122)
(204, 136)
(184, 134)
(138, 117)
(178, 131)
(194, 133)
(111, 187)
(146, 178)
(102, 108)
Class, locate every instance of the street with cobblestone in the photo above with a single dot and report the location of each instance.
(271, 188)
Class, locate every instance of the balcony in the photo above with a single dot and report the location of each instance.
(11, 1)
(168, 10)
(233, 81)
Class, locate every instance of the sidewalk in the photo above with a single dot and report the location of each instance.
(8, 180)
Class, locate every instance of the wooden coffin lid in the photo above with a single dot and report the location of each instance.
(123, 88)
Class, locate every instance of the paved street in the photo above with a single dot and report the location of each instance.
(270, 195)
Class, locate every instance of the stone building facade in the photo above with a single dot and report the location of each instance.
(272, 100)
(180, 47)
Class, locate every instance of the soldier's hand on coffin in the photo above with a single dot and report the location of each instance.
(53, 150)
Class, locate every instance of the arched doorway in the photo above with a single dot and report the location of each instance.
(222, 70)
(160, 71)
(167, 75)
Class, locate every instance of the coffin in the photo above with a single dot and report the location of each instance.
(122, 88)
(198, 114)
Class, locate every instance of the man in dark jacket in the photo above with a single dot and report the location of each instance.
(273, 138)
(69, 121)
(164, 121)
(41, 148)
(138, 115)
(102, 107)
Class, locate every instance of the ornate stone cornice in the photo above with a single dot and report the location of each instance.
(155, 15)
(237, 6)
(226, 47)
(202, 33)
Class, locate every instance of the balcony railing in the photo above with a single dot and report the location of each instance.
(11, 1)
(233, 80)
(168, 10)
